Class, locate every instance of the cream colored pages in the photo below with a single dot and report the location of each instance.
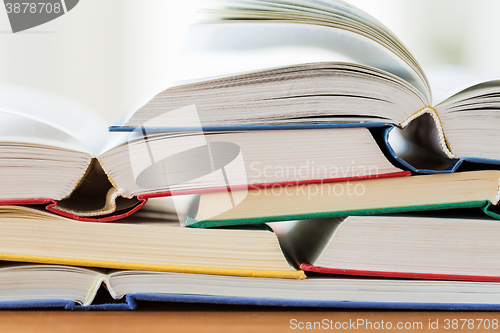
(29, 235)
(359, 195)
(337, 15)
(33, 150)
(222, 49)
(30, 283)
(415, 245)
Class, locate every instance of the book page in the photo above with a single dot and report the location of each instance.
(221, 49)
(448, 80)
(48, 283)
(54, 114)
(18, 129)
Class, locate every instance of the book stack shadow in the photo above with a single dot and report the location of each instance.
(310, 167)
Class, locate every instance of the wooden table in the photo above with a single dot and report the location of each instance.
(203, 318)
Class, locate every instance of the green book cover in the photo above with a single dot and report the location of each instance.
(485, 205)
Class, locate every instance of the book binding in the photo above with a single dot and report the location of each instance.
(132, 302)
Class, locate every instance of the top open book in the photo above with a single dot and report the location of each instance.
(314, 62)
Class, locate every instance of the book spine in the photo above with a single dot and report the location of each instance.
(284, 274)
(443, 142)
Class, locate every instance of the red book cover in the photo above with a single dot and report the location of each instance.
(399, 275)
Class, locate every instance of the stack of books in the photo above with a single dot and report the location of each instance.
(322, 174)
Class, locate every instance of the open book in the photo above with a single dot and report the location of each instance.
(305, 62)
(397, 246)
(68, 286)
(139, 242)
(361, 197)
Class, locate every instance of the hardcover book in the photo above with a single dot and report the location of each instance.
(31, 235)
(359, 197)
(295, 63)
(75, 288)
(397, 246)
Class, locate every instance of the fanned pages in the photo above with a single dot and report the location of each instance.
(250, 38)
(300, 94)
(64, 286)
(326, 25)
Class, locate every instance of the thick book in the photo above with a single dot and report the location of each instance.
(37, 236)
(88, 175)
(359, 197)
(295, 63)
(25, 286)
(396, 246)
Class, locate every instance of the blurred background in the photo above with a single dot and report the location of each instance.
(458, 32)
(113, 55)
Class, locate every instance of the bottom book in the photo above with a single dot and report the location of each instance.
(30, 286)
